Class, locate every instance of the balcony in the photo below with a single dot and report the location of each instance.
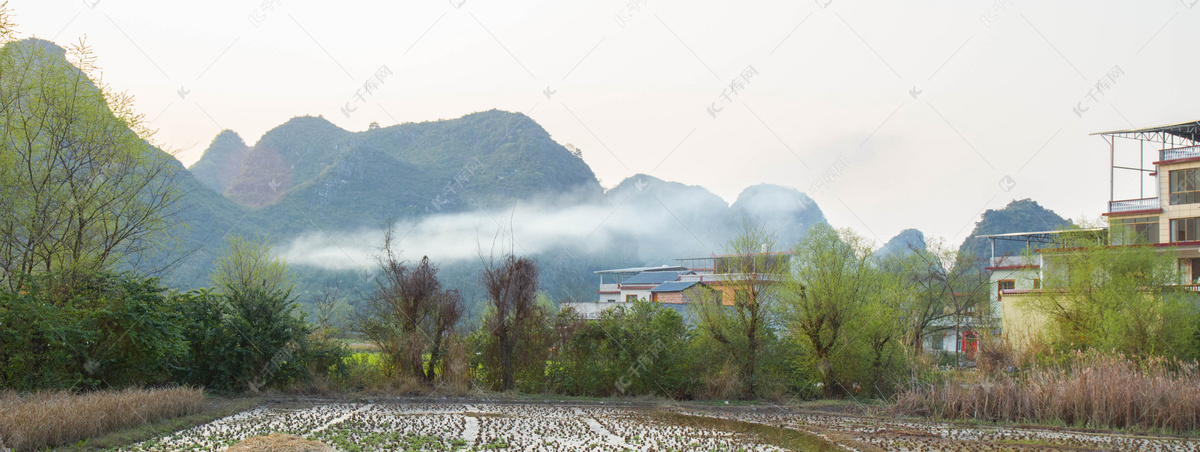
(1016, 261)
(1179, 153)
(1133, 205)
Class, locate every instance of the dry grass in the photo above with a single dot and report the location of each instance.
(1093, 390)
(49, 419)
(723, 384)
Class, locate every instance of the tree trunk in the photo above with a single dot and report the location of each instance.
(752, 352)
(506, 362)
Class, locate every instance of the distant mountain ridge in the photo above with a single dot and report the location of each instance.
(1023, 215)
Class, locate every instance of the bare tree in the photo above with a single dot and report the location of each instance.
(327, 303)
(448, 308)
(409, 314)
(511, 284)
(945, 288)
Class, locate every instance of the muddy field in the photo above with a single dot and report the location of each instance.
(416, 425)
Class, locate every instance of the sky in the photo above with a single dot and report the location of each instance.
(891, 115)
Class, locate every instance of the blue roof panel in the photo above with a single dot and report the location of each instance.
(674, 286)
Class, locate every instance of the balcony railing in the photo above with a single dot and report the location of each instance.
(1133, 205)
(1017, 261)
(1179, 153)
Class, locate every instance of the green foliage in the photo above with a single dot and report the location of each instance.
(72, 330)
(1116, 299)
(247, 333)
(248, 266)
(741, 325)
(635, 350)
(845, 312)
(81, 187)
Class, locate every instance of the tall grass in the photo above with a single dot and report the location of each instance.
(49, 419)
(1090, 390)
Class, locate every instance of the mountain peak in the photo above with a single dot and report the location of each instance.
(1020, 215)
(904, 242)
(221, 161)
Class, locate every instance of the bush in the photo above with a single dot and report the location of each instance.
(635, 350)
(249, 340)
(79, 330)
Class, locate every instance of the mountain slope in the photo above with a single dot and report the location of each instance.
(221, 162)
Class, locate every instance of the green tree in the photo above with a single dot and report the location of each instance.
(754, 270)
(832, 288)
(81, 186)
(247, 333)
(72, 330)
(1115, 298)
(631, 350)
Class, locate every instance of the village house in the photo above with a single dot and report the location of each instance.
(1165, 215)
(715, 278)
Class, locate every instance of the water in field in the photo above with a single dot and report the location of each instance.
(425, 426)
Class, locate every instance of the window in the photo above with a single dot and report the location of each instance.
(1185, 186)
(1005, 284)
(1184, 230)
(1127, 231)
(630, 298)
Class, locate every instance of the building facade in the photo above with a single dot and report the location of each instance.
(1164, 215)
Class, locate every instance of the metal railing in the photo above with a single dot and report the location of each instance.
(1017, 261)
(1133, 205)
(1179, 153)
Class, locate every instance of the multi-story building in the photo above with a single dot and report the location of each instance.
(1165, 214)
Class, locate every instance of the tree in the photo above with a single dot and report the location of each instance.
(942, 285)
(254, 318)
(511, 286)
(1115, 298)
(248, 264)
(831, 285)
(754, 270)
(409, 314)
(631, 350)
(82, 188)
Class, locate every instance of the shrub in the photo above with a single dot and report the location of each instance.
(248, 340)
(84, 330)
(636, 350)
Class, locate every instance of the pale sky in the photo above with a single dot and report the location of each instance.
(923, 109)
